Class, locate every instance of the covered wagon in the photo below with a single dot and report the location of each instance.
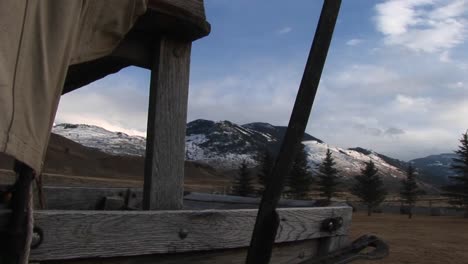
(161, 223)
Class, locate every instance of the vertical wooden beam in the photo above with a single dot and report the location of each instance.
(167, 117)
(330, 244)
(20, 226)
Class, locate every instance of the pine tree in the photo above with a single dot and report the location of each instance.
(300, 178)
(409, 190)
(458, 190)
(369, 187)
(266, 162)
(243, 182)
(328, 177)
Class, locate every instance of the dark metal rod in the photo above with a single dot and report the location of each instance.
(267, 220)
(17, 247)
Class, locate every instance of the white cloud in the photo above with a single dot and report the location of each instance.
(116, 103)
(423, 25)
(411, 104)
(365, 74)
(354, 42)
(258, 92)
(284, 30)
(445, 56)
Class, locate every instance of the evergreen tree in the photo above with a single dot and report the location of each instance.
(300, 178)
(266, 162)
(409, 190)
(328, 177)
(458, 190)
(369, 187)
(243, 182)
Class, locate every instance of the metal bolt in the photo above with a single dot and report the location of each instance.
(183, 233)
(177, 52)
(37, 237)
(332, 224)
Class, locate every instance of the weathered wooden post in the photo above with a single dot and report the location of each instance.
(167, 118)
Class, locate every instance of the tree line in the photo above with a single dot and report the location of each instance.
(368, 185)
(300, 181)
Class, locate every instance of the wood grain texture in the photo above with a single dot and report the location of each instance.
(178, 19)
(91, 234)
(181, 19)
(286, 253)
(183, 8)
(167, 118)
(329, 244)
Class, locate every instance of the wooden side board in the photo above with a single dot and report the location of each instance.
(286, 253)
(91, 234)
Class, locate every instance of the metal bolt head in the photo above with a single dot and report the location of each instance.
(183, 233)
(332, 224)
(37, 237)
(177, 52)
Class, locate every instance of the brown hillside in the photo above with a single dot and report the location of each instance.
(68, 158)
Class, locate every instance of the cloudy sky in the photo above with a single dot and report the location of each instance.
(395, 80)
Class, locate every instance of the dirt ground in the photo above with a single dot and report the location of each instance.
(423, 239)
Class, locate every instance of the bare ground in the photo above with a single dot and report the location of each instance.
(423, 239)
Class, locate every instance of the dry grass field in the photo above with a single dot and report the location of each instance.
(423, 239)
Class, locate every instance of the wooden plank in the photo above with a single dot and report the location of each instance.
(167, 118)
(91, 234)
(286, 253)
(329, 244)
(212, 201)
(187, 8)
(181, 19)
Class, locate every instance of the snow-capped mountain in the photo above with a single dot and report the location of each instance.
(116, 143)
(349, 161)
(224, 145)
(436, 169)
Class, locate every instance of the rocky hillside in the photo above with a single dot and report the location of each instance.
(224, 145)
(435, 169)
(115, 143)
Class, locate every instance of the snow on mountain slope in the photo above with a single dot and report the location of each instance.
(436, 169)
(116, 143)
(224, 145)
(348, 162)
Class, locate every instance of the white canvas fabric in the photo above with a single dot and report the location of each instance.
(39, 40)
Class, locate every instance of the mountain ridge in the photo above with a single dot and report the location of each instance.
(224, 144)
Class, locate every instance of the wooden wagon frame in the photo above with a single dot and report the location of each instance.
(164, 233)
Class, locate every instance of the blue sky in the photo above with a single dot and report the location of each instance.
(395, 80)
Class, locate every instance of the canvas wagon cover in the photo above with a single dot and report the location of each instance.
(39, 40)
